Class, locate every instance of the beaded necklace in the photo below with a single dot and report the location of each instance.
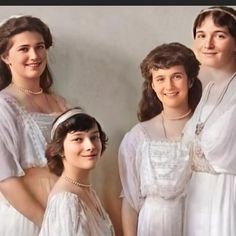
(76, 182)
(27, 91)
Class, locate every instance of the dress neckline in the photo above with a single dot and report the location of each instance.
(23, 109)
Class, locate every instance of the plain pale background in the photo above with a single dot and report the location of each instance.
(95, 64)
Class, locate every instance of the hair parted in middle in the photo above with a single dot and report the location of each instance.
(166, 56)
(14, 26)
(77, 122)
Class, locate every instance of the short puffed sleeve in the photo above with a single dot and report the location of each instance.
(128, 162)
(64, 216)
(9, 141)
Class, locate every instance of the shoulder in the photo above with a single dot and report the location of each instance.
(63, 198)
(62, 102)
(63, 203)
(8, 106)
(134, 137)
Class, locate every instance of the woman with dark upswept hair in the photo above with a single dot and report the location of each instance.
(154, 164)
(27, 108)
(211, 198)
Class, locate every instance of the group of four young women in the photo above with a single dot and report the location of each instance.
(177, 173)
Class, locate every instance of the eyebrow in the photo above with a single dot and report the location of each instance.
(79, 132)
(26, 45)
(175, 73)
(216, 31)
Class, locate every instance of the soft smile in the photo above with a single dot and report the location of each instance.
(34, 65)
(171, 94)
(209, 53)
(90, 156)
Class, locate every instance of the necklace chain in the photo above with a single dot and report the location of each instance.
(27, 91)
(76, 182)
(200, 125)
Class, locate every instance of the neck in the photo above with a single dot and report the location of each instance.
(78, 175)
(32, 84)
(218, 75)
(173, 114)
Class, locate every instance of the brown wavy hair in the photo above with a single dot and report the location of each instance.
(17, 25)
(164, 57)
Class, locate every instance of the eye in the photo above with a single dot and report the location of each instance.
(159, 79)
(24, 49)
(41, 46)
(95, 137)
(221, 36)
(177, 76)
(200, 36)
(77, 139)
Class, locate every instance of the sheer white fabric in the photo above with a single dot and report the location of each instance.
(154, 174)
(66, 214)
(23, 136)
(211, 201)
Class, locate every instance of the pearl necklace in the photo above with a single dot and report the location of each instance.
(177, 117)
(27, 91)
(163, 118)
(76, 182)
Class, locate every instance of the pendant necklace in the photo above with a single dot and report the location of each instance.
(200, 125)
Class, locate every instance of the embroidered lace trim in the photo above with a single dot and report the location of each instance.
(199, 161)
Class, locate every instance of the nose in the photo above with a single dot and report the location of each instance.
(209, 42)
(88, 144)
(33, 54)
(168, 84)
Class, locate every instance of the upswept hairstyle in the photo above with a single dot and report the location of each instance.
(17, 25)
(78, 122)
(222, 16)
(166, 56)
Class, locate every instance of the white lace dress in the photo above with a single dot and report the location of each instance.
(211, 201)
(154, 174)
(23, 136)
(68, 215)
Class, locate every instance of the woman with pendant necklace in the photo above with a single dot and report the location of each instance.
(154, 165)
(27, 109)
(211, 201)
(77, 142)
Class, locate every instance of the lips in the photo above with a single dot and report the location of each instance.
(92, 156)
(33, 65)
(209, 53)
(171, 94)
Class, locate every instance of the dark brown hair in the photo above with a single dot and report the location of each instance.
(220, 18)
(78, 122)
(164, 57)
(17, 25)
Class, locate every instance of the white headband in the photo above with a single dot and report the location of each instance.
(64, 117)
(218, 9)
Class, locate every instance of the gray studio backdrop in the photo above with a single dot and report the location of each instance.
(95, 63)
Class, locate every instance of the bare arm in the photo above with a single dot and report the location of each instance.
(22, 200)
(129, 219)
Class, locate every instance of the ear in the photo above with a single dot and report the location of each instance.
(5, 59)
(152, 85)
